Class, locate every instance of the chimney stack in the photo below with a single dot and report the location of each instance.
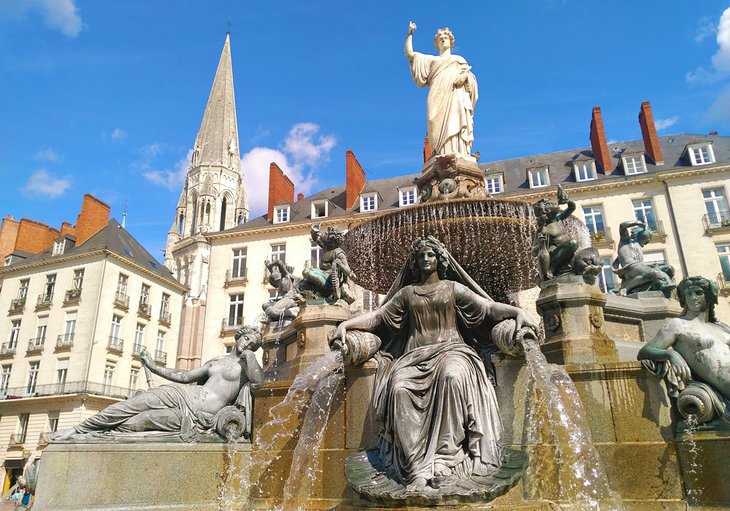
(281, 188)
(599, 146)
(426, 149)
(300, 196)
(648, 132)
(93, 217)
(354, 179)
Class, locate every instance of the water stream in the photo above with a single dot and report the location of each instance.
(693, 473)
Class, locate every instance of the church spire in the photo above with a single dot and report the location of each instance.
(217, 140)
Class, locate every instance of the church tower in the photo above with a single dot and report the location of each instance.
(212, 199)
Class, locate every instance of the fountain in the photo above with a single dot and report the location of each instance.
(344, 419)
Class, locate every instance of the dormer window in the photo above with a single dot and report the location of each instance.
(493, 184)
(634, 164)
(281, 214)
(585, 170)
(320, 209)
(368, 202)
(59, 246)
(538, 177)
(701, 154)
(407, 196)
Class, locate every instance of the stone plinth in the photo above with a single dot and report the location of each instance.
(132, 477)
(290, 349)
(573, 316)
(451, 177)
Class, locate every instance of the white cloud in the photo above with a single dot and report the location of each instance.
(173, 179)
(299, 156)
(118, 134)
(62, 15)
(721, 58)
(705, 28)
(46, 154)
(662, 124)
(43, 184)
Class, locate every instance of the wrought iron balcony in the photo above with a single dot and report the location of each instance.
(144, 310)
(8, 348)
(165, 318)
(72, 296)
(235, 278)
(65, 341)
(719, 221)
(160, 357)
(121, 300)
(17, 305)
(36, 344)
(602, 239)
(74, 387)
(136, 350)
(115, 344)
(44, 301)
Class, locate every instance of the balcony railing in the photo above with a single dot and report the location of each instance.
(7, 348)
(144, 310)
(115, 344)
(17, 439)
(17, 305)
(160, 357)
(235, 278)
(719, 220)
(64, 341)
(72, 296)
(74, 387)
(136, 350)
(165, 318)
(602, 239)
(36, 344)
(44, 301)
(121, 300)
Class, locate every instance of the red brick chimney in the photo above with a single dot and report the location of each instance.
(426, 149)
(300, 196)
(648, 132)
(93, 217)
(354, 179)
(34, 236)
(8, 234)
(599, 146)
(67, 228)
(281, 188)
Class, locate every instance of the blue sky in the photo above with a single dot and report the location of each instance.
(107, 97)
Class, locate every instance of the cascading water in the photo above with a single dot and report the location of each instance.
(695, 492)
(583, 481)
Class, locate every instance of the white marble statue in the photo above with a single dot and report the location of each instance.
(452, 94)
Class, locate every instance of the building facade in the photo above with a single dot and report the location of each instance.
(76, 317)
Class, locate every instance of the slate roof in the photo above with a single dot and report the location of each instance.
(116, 239)
(515, 174)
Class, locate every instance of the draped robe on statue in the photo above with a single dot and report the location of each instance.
(432, 394)
(450, 109)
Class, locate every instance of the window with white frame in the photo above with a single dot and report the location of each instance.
(165, 307)
(315, 254)
(49, 288)
(122, 282)
(493, 184)
(644, 212)
(78, 279)
(40, 330)
(133, 378)
(69, 328)
(281, 214)
(58, 246)
(657, 257)
(5, 378)
(22, 427)
(723, 252)
(235, 310)
(320, 209)
(14, 334)
(278, 252)
(61, 372)
(109, 374)
(53, 421)
(33, 368)
(368, 202)
(407, 196)
(144, 295)
(23, 289)
(238, 263)
(634, 164)
(138, 338)
(160, 344)
(594, 219)
(717, 206)
(701, 154)
(606, 279)
(584, 170)
(116, 331)
(538, 177)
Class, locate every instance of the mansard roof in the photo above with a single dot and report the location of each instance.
(515, 175)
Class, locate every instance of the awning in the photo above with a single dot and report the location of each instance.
(14, 463)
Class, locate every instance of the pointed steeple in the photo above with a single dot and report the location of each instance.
(217, 140)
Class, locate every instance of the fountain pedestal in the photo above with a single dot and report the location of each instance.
(451, 177)
(573, 315)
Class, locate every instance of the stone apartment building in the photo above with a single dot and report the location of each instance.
(74, 319)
